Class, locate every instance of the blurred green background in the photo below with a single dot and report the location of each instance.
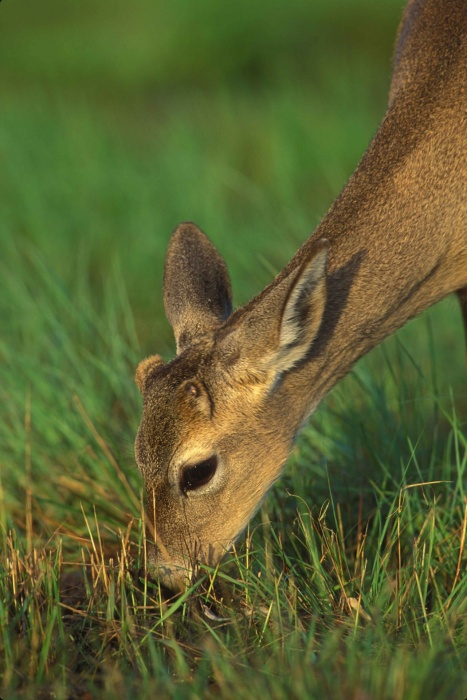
(120, 120)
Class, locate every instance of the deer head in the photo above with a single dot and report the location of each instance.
(215, 430)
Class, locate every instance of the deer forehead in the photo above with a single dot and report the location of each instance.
(176, 402)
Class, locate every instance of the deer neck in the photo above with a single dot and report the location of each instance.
(396, 242)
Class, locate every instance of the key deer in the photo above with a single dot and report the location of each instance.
(220, 419)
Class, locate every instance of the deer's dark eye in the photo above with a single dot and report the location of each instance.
(197, 475)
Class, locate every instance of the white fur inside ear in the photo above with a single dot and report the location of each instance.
(303, 311)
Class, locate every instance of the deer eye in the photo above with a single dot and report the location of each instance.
(197, 475)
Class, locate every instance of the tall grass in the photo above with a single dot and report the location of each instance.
(116, 124)
(351, 580)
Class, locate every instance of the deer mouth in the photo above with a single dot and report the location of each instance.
(175, 576)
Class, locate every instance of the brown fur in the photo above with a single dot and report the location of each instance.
(393, 243)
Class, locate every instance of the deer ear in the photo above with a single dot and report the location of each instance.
(303, 311)
(197, 290)
(145, 368)
(276, 330)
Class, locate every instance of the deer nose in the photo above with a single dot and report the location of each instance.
(174, 575)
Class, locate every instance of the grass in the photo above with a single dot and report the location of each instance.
(115, 126)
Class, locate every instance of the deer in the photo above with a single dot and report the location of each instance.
(219, 420)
